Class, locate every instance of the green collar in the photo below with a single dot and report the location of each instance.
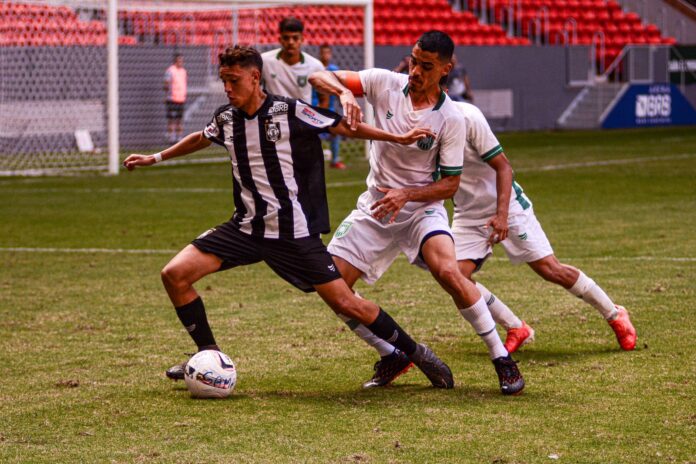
(440, 100)
(281, 51)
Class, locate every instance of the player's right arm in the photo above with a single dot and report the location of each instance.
(346, 86)
(189, 144)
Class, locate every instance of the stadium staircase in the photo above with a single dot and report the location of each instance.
(587, 109)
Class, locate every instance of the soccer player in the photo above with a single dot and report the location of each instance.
(286, 70)
(280, 206)
(402, 210)
(490, 207)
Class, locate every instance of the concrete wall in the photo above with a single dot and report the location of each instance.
(536, 75)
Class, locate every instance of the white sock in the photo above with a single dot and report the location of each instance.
(481, 320)
(593, 294)
(382, 347)
(501, 313)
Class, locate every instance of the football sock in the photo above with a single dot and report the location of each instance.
(499, 310)
(481, 320)
(593, 294)
(192, 316)
(387, 329)
(382, 347)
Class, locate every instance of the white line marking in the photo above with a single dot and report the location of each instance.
(146, 251)
(551, 167)
(557, 167)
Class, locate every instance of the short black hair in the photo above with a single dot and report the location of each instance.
(177, 56)
(438, 42)
(290, 24)
(243, 56)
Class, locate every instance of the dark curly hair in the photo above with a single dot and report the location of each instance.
(241, 55)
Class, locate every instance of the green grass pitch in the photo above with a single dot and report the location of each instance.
(85, 336)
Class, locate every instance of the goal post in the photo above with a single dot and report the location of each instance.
(82, 81)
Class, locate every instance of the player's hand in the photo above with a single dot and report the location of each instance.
(391, 203)
(136, 159)
(351, 110)
(497, 229)
(413, 135)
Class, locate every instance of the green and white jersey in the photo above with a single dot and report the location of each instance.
(397, 166)
(476, 199)
(279, 78)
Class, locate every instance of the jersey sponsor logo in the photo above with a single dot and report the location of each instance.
(302, 81)
(425, 143)
(523, 236)
(278, 108)
(211, 130)
(224, 117)
(272, 131)
(389, 114)
(343, 229)
(312, 117)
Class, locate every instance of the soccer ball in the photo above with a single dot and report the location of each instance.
(210, 374)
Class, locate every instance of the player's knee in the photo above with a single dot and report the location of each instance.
(448, 274)
(173, 278)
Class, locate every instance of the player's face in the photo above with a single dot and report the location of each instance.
(425, 69)
(240, 83)
(325, 55)
(291, 42)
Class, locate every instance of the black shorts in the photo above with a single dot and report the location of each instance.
(303, 262)
(175, 110)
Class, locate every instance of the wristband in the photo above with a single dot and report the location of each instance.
(158, 157)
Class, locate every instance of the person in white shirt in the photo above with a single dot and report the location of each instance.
(490, 207)
(402, 210)
(286, 70)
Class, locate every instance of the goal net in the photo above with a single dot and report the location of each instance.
(55, 115)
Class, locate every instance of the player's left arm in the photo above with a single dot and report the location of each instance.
(368, 132)
(395, 199)
(189, 144)
(503, 187)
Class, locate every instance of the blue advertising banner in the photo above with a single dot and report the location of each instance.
(650, 105)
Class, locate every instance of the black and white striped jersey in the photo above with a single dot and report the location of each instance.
(277, 166)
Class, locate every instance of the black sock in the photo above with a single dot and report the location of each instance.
(192, 316)
(388, 330)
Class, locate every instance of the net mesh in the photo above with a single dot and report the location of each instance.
(53, 82)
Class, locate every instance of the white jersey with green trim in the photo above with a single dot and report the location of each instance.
(419, 164)
(476, 199)
(280, 78)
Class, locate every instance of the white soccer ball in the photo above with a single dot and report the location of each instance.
(210, 374)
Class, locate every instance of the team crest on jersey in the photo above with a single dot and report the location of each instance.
(272, 131)
(425, 143)
(301, 81)
(343, 229)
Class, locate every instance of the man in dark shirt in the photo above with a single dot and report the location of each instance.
(280, 206)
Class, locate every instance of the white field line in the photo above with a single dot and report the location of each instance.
(587, 164)
(550, 167)
(150, 251)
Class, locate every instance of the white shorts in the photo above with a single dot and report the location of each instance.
(526, 240)
(372, 246)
